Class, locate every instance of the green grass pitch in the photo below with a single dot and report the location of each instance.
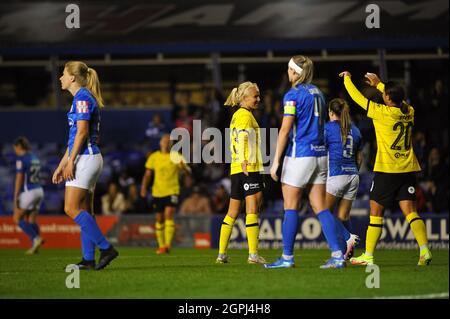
(190, 273)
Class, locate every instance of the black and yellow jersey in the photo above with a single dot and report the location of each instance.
(245, 142)
(393, 130)
(166, 167)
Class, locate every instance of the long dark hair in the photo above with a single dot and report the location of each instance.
(397, 95)
(341, 109)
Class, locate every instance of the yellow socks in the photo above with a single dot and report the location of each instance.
(373, 234)
(225, 233)
(160, 234)
(252, 228)
(169, 230)
(418, 228)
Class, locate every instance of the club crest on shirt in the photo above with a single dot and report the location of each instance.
(290, 103)
(82, 107)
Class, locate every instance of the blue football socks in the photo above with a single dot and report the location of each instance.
(27, 229)
(331, 230)
(91, 230)
(289, 230)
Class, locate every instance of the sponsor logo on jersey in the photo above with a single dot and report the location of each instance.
(398, 155)
(318, 148)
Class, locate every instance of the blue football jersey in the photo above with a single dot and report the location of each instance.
(307, 103)
(342, 158)
(84, 107)
(30, 166)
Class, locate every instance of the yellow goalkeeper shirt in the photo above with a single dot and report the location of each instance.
(393, 130)
(166, 169)
(245, 142)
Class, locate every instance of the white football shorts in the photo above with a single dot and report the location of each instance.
(32, 199)
(301, 171)
(343, 186)
(87, 171)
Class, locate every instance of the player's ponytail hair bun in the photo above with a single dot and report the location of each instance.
(93, 85)
(397, 95)
(86, 77)
(341, 109)
(238, 93)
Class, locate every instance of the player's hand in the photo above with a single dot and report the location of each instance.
(69, 171)
(57, 176)
(244, 167)
(16, 211)
(372, 79)
(344, 73)
(273, 171)
(143, 193)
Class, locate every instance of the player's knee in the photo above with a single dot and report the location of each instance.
(70, 210)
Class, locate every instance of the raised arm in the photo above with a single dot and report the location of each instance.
(374, 80)
(354, 93)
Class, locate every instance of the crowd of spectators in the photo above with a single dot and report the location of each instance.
(207, 190)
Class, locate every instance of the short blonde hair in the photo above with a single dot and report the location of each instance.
(307, 69)
(238, 93)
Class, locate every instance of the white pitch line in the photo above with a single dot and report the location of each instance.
(427, 296)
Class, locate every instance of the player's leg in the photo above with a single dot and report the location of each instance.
(234, 208)
(291, 197)
(351, 239)
(87, 245)
(373, 234)
(382, 194)
(159, 227)
(73, 207)
(419, 230)
(252, 205)
(28, 202)
(330, 227)
(169, 226)
(20, 220)
(32, 216)
(38, 241)
(332, 201)
(336, 188)
(77, 195)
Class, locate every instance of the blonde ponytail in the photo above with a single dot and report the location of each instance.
(93, 85)
(232, 99)
(238, 93)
